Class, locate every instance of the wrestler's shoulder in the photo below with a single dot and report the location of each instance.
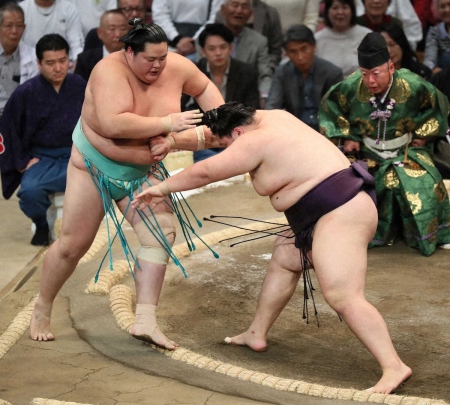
(114, 61)
(111, 65)
(177, 62)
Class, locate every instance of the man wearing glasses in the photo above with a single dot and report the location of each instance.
(130, 9)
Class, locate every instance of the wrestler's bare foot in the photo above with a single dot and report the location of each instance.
(40, 322)
(157, 337)
(392, 379)
(248, 338)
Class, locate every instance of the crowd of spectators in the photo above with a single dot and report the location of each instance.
(269, 54)
(258, 28)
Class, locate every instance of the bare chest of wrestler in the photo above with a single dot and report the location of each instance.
(159, 98)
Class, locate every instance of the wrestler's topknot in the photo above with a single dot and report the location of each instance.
(224, 119)
(142, 33)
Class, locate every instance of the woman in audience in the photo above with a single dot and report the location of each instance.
(339, 40)
(402, 56)
(437, 46)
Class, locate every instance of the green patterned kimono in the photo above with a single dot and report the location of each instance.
(412, 199)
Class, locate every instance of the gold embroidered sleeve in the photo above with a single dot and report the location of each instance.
(343, 125)
(429, 128)
(401, 91)
(343, 103)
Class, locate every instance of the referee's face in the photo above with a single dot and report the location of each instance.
(379, 78)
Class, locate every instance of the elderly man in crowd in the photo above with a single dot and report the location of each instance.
(113, 25)
(17, 59)
(249, 46)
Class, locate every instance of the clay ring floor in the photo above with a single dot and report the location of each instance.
(218, 299)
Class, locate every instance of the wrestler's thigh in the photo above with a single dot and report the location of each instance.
(285, 255)
(83, 209)
(340, 242)
(131, 215)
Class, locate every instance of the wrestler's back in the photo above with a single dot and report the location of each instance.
(295, 158)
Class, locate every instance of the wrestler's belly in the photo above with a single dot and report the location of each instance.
(135, 151)
(77, 159)
(288, 195)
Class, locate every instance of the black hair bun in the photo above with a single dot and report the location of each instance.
(135, 22)
(210, 117)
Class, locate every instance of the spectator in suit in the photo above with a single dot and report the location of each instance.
(17, 59)
(249, 46)
(299, 85)
(266, 20)
(36, 127)
(130, 9)
(53, 17)
(236, 80)
(113, 25)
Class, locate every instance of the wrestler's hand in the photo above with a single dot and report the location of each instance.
(185, 46)
(149, 197)
(350, 146)
(160, 146)
(32, 162)
(177, 122)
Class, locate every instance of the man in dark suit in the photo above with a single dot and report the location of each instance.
(236, 80)
(113, 25)
(299, 85)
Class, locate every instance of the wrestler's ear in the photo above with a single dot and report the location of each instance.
(238, 131)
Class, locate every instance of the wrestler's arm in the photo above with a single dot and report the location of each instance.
(122, 150)
(205, 92)
(210, 97)
(113, 100)
(241, 157)
(192, 140)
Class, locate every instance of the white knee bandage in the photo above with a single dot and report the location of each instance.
(152, 249)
